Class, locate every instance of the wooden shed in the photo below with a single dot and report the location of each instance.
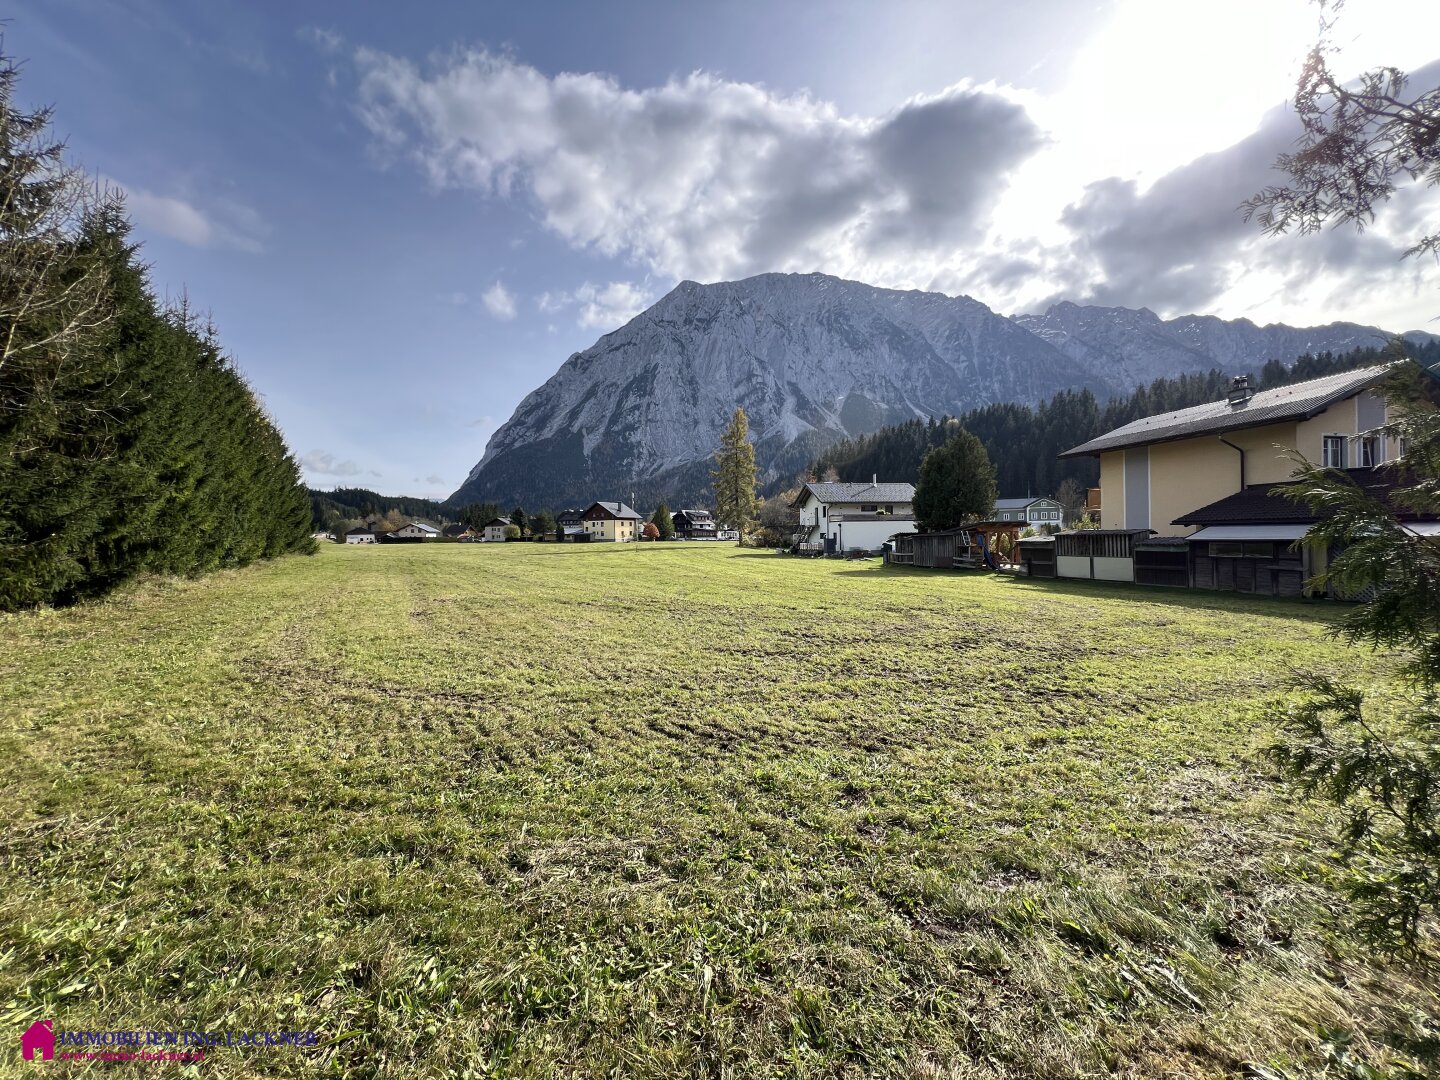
(1098, 554)
(1037, 555)
(1164, 561)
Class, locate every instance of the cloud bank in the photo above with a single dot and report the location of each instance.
(701, 177)
(712, 179)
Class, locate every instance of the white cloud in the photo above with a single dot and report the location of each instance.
(703, 177)
(1104, 189)
(499, 301)
(324, 463)
(608, 306)
(225, 224)
(602, 307)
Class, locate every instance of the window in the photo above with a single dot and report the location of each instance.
(889, 509)
(1332, 454)
(1369, 452)
(868, 508)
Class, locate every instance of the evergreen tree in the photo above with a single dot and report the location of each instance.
(517, 517)
(1371, 754)
(664, 522)
(128, 441)
(957, 484)
(542, 524)
(734, 475)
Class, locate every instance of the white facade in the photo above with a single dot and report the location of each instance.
(1034, 512)
(494, 532)
(360, 538)
(849, 517)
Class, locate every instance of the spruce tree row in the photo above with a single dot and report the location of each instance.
(129, 443)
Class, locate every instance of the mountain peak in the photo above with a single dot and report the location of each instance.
(813, 358)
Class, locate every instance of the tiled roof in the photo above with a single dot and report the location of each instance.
(1267, 504)
(1016, 504)
(618, 509)
(1298, 401)
(861, 493)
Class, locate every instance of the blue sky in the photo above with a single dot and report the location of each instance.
(404, 217)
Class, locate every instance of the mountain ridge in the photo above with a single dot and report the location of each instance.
(814, 358)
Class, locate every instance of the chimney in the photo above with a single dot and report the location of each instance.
(874, 479)
(1240, 391)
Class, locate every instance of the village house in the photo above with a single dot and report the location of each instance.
(570, 524)
(361, 534)
(694, 524)
(415, 530)
(1215, 478)
(840, 517)
(611, 521)
(494, 529)
(1154, 471)
(455, 532)
(1034, 512)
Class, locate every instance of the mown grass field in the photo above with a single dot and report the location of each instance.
(675, 810)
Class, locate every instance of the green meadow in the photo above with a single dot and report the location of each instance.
(678, 810)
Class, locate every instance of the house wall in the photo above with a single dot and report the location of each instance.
(613, 530)
(494, 532)
(1363, 412)
(868, 534)
(1187, 474)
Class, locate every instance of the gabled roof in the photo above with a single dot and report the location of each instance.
(615, 510)
(423, 527)
(502, 522)
(1020, 504)
(1299, 401)
(857, 493)
(361, 530)
(1267, 504)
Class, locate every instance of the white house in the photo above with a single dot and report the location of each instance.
(416, 530)
(361, 534)
(1036, 512)
(495, 529)
(849, 517)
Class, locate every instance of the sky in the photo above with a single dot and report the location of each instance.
(404, 217)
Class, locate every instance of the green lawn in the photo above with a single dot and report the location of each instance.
(674, 810)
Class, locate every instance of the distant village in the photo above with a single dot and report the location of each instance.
(1196, 498)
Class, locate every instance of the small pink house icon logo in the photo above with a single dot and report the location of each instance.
(39, 1038)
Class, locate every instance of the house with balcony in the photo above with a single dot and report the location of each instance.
(1158, 468)
(694, 524)
(1215, 480)
(840, 517)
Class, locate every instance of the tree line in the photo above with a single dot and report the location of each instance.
(1023, 441)
(129, 442)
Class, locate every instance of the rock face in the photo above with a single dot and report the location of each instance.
(812, 358)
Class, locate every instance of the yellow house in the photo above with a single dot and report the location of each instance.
(611, 521)
(1160, 468)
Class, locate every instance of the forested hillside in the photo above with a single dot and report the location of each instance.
(343, 507)
(1024, 442)
(129, 442)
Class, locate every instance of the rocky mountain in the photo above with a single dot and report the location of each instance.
(812, 358)
(1126, 348)
(809, 357)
